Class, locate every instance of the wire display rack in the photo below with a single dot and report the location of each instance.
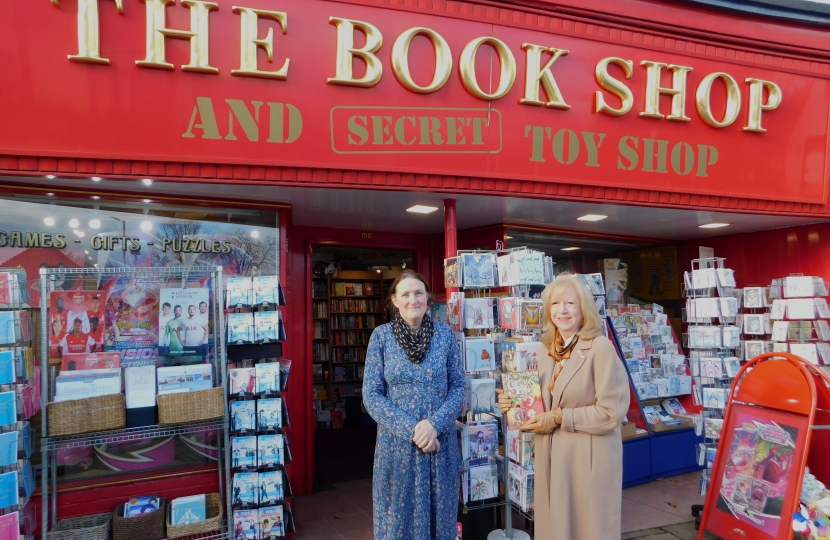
(161, 277)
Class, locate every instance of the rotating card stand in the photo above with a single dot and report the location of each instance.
(777, 422)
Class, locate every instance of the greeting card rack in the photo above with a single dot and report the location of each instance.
(713, 341)
(133, 282)
(799, 312)
(260, 354)
(19, 385)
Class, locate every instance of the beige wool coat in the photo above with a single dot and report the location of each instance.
(578, 481)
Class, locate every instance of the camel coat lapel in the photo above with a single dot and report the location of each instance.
(571, 368)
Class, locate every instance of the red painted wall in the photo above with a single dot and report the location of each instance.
(758, 258)
(297, 264)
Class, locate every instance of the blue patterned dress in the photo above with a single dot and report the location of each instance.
(414, 494)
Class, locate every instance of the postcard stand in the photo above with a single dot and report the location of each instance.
(776, 423)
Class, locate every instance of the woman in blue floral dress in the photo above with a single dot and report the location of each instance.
(414, 387)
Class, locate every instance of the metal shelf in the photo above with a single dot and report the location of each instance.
(221, 534)
(129, 434)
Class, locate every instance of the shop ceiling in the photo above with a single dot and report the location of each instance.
(386, 210)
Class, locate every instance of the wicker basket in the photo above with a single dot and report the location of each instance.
(101, 413)
(144, 527)
(213, 521)
(95, 527)
(191, 406)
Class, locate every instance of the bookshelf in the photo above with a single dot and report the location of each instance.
(345, 311)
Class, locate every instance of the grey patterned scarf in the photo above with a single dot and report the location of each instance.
(415, 343)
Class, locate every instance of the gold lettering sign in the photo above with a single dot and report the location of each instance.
(703, 100)
(677, 91)
(607, 82)
(467, 68)
(534, 76)
(89, 31)
(756, 102)
(157, 32)
(250, 43)
(443, 60)
(346, 51)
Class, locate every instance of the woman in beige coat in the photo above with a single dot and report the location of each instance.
(578, 484)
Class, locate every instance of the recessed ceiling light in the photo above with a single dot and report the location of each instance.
(591, 217)
(254, 234)
(509, 237)
(50, 176)
(419, 209)
(96, 178)
(714, 225)
(378, 270)
(572, 248)
(73, 223)
(49, 221)
(148, 201)
(94, 223)
(146, 225)
(147, 182)
(50, 194)
(96, 197)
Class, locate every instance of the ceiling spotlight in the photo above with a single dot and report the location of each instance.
(147, 182)
(50, 194)
(591, 217)
(508, 237)
(96, 178)
(49, 221)
(73, 223)
(94, 224)
(714, 225)
(96, 197)
(146, 225)
(378, 270)
(419, 209)
(50, 176)
(147, 201)
(572, 248)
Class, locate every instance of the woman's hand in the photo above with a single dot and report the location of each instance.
(433, 446)
(505, 400)
(424, 434)
(543, 423)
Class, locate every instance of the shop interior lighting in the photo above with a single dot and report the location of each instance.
(147, 201)
(420, 209)
(96, 197)
(508, 237)
(254, 234)
(73, 223)
(591, 217)
(50, 176)
(572, 248)
(403, 263)
(147, 182)
(94, 224)
(378, 270)
(96, 178)
(146, 225)
(50, 194)
(714, 225)
(49, 221)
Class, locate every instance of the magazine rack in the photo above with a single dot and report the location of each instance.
(777, 422)
(208, 276)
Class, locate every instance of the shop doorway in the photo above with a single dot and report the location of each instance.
(349, 290)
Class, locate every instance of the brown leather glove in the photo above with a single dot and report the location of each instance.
(543, 423)
(504, 401)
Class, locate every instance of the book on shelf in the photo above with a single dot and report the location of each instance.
(243, 416)
(270, 451)
(266, 291)
(242, 381)
(350, 289)
(245, 524)
(270, 488)
(266, 326)
(243, 452)
(340, 289)
(238, 292)
(267, 377)
(71, 385)
(140, 386)
(368, 289)
(139, 506)
(337, 419)
(190, 378)
(269, 414)
(673, 406)
(188, 510)
(271, 523)
(240, 328)
(526, 397)
(358, 289)
(656, 415)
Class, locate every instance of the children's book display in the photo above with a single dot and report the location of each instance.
(799, 313)
(259, 449)
(715, 325)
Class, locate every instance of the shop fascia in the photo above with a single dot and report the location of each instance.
(761, 95)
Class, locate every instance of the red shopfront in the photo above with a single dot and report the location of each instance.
(633, 103)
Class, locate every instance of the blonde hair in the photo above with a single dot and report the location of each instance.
(591, 320)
